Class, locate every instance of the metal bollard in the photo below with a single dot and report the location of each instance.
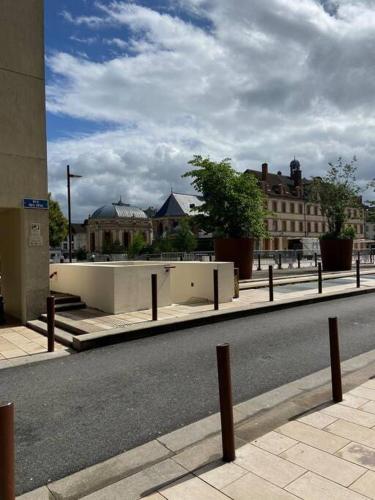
(259, 265)
(210, 258)
(320, 280)
(2, 312)
(236, 283)
(154, 296)
(335, 360)
(358, 273)
(299, 260)
(316, 259)
(7, 482)
(51, 323)
(226, 404)
(280, 261)
(216, 289)
(270, 282)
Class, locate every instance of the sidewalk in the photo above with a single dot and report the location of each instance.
(291, 443)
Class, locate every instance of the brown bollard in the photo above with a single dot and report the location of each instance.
(259, 263)
(226, 404)
(320, 279)
(280, 264)
(236, 283)
(316, 259)
(7, 483)
(358, 273)
(335, 360)
(299, 260)
(216, 289)
(270, 282)
(51, 323)
(154, 296)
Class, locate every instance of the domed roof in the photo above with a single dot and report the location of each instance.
(295, 164)
(118, 210)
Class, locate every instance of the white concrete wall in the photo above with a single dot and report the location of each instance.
(126, 286)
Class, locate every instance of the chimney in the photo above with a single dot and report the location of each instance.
(264, 171)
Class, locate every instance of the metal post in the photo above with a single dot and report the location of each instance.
(299, 260)
(226, 404)
(216, 289)
(7, 483)
(69, 214)
(279, 260)
(358, 273)
(236, 283)
(270, 282)
(335, 360)
(51, 323)
(316, 259)
(2, 312)
(259, 265)
(154, 296)
(320, 280)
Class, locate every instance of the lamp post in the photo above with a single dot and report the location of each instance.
(68, 177)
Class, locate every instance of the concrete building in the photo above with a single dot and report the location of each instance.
(116, 224)
(293, 216)
(79, 238)
(24, 249)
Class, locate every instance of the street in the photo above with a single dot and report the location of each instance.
(76, 411)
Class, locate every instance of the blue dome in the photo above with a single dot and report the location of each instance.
(118, 211)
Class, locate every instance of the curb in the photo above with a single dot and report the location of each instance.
(199, 443)
(116, 335)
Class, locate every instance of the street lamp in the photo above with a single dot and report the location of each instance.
(68, 177)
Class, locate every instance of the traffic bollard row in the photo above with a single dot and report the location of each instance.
(358, 273)
(226, 403)
(51, 323)
(7, 482)
(216, 290)
(270, 282)
(154, 296)
(335, 360)
(320, 279)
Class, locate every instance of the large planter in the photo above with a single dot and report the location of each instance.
(236, 250)
(336, 254)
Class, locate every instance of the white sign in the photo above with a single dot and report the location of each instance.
(35, 238)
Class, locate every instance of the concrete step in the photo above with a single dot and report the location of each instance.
(61, 336)
(64, 324)
(70, 306)
(66, 299)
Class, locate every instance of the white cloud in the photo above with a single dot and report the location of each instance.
(266, 81)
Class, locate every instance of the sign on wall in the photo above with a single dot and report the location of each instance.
(35, 238)
(36, 204)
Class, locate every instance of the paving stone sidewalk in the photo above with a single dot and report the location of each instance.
(328, 454)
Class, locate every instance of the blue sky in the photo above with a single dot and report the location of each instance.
(136, 88)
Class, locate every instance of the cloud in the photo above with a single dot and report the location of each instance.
(255, 82)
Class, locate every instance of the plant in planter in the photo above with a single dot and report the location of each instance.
(233, 210)
(337, 192)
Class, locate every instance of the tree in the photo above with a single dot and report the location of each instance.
(137, 245)
(336, 192)
(185, 240)
(58, 224)
(234, 204)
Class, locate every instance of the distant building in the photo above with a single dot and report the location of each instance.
(79, 238)
(294, 217)
(176, 207)
(116, 224)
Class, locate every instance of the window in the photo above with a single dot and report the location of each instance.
(301, 227)
(300, 208)
(309, 227)
(92, 242)
(274, 206)
(355, 214)
(293, 226)
(284, 225)
(192, 205)
(125, 239)
(316, 210)
(292, 208)
(283, 207)
(275, 225)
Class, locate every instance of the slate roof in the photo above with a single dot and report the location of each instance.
(118, 210)
(275, 180)
(179, 205)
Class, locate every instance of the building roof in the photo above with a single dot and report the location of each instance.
(178, 205)
(118, 210)
(78, 228)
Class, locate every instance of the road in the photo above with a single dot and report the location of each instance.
(76, 411)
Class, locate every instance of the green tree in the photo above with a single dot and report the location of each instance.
(234, 204)
(336, 192)
(58, 224)
(185, 240)
(137, 245)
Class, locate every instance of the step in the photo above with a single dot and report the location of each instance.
(70, 306)
(61, 336)
(66, 299)
(65, 325)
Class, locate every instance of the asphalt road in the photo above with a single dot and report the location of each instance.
(76, 411)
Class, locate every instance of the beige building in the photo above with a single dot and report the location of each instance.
(293, 216)
(116, 224)
(24, 250)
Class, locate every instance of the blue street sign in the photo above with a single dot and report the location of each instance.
(39, 204)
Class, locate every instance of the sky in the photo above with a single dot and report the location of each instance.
(136, 88)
